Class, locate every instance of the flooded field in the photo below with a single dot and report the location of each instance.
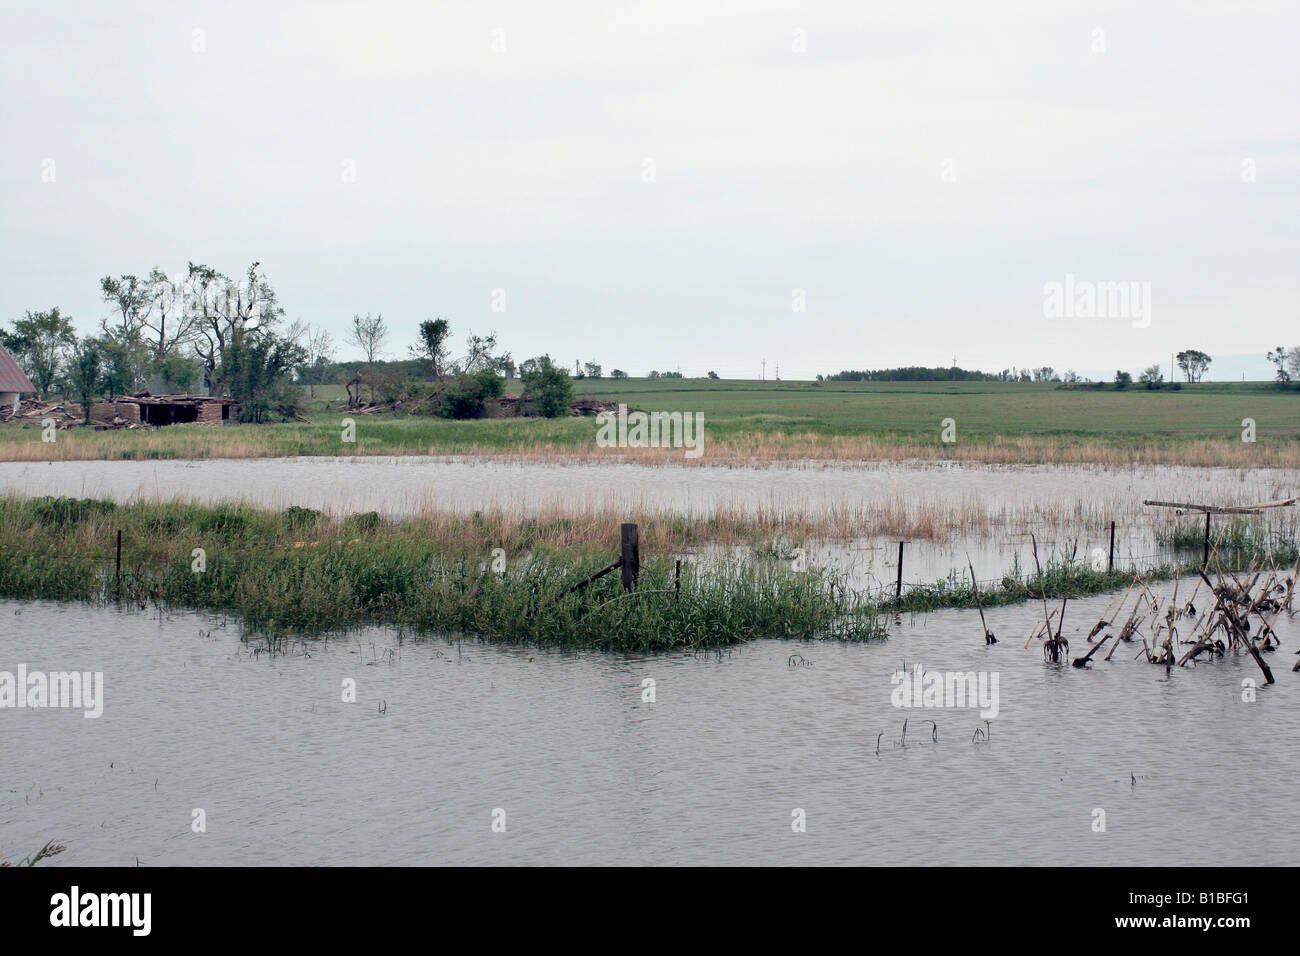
(441, 736)
(403, 486)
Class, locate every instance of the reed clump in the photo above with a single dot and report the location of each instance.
(1235, 539)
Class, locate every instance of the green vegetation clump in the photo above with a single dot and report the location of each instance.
(429, 575)
(66, 511)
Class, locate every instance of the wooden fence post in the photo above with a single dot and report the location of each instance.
(899, 592)
(631, 556)
(117, 575)
(1110, 562)
(1205, 563)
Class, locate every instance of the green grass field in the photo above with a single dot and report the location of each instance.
(984, 409)
(764, 421)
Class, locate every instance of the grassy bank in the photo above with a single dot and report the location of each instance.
(1198, 425)
(300, 571)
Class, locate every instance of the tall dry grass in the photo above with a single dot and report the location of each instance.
(269, 441)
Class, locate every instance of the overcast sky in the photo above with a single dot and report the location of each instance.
(920, 170)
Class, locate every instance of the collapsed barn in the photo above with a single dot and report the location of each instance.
(147, 409)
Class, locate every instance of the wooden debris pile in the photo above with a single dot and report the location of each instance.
(33, 411)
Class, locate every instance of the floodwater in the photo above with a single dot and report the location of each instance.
(871, 564)
(444, 738)
(401, 486)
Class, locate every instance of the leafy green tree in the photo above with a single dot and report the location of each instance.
(227, 312)
(1279, 358)
(181, 372)
(431, 347)
(85, 378)
(1152, 377)
(468, 395)
(549, 386)
(618, 373)
(1193, 362)
(1123, 379)
(257, 368)
(41, 343)
(127, 357)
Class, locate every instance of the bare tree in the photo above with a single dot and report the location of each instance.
(368, 333)
(320, 352)
(480, 354)
(170, 325)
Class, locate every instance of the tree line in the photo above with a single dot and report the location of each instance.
(230, 334)
(1192, 362)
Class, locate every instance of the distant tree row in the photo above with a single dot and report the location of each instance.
(1192, 362)
(920, 373)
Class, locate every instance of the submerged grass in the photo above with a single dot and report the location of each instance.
(1236, 540)
(1058, 578)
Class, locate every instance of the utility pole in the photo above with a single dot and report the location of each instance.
(764, 370)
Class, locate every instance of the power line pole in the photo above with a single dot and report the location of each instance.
(764, 370)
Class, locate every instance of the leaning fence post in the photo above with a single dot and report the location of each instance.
(899, 592)
(117, 575)
(1205, 563)
(631, 556)
(1110, 562)
(677, 580)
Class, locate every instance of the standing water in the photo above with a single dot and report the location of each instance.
(570, 755)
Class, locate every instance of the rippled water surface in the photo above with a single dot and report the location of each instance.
(442, 734)
(400, 486)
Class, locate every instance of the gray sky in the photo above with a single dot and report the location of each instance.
(524, 169)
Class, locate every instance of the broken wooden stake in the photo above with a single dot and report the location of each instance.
(630, 561)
